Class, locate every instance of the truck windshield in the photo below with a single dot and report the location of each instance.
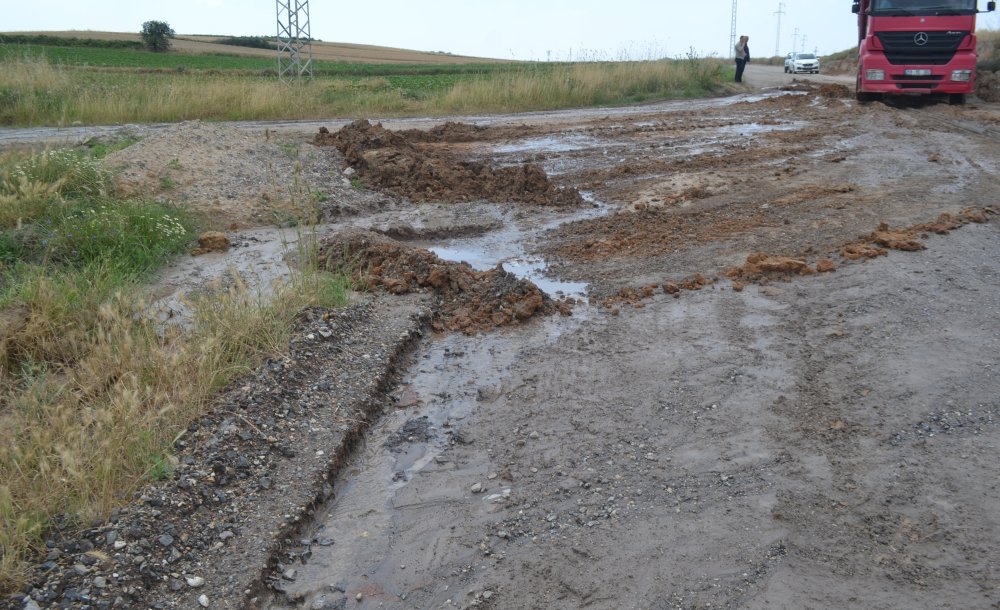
(923, 7)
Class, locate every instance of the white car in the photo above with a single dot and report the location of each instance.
(801, 62)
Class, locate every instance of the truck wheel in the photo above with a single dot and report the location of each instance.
(956, 99)
(862, 96)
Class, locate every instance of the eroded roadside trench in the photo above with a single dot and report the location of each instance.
(739, 354)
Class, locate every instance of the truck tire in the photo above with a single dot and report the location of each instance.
(956, 99)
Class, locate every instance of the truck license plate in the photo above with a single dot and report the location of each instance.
(917, 72)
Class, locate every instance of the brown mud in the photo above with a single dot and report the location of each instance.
(469, 301)
(392, 162)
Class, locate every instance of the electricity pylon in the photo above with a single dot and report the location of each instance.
(294, 40)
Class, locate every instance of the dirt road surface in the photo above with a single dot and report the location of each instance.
(816, 426)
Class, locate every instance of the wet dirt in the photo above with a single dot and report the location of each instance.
(393, 162)
(469, 301)
(777, 438)
(766, 437)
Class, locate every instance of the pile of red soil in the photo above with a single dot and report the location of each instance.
(761, 266)
(394, 162)
(908, 239)
(835, 91)
(454, 132)
(469, 301)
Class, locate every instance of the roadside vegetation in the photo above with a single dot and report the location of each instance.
(93, 390)
(53, 85)
(988, 48)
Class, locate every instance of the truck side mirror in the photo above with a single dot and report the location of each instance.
(856, 8)
(991, 6)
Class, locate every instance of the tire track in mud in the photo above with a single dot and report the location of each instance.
(850, 511)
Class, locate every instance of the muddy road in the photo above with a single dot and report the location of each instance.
(777, 440)
(764, 373)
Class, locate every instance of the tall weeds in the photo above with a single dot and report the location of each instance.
(32, 91)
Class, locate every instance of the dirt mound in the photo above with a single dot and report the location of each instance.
(835, 91)
(393, 162)
(235, 177)
(455, 132)
(908, 239)
(469, 301)
(760, 265)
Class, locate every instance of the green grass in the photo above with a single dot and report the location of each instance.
(92, 392)
(63, 85)
(140, 60)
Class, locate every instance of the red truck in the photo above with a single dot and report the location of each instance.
(917, 47)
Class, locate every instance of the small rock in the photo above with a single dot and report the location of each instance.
(165, 540)
(359, 596)
(203, 600)
(476, 488)
(100, 582)
(226, 535)
(31, 605)
(119, 544)
(534, 435)
(211, 241)
(195, 581)
(80, 569)
(289, 574)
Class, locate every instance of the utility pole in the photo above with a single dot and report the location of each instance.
(803, 43)
(732, 33)
(777, 41)
(294, 40)
(795, 40)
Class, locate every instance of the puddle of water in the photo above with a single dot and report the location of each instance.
(549, 144)
(506, 247)
(258, 257)
(750, 129)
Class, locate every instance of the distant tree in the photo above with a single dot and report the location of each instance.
(156, 35)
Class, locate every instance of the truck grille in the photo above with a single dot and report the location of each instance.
(901, 47)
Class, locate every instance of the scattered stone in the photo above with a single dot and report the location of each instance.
(476, 488)
(203, 600)
(195, 581)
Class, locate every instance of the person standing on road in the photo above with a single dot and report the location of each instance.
(742, 57)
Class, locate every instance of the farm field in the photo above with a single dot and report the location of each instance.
(65, 85)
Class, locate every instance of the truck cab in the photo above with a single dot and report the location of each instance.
(917, 47)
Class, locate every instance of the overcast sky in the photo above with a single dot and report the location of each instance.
(511, 29)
